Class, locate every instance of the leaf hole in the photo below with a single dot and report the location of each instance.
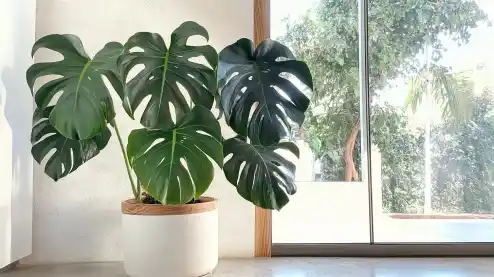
(72, 158)
(173, 113)
(283, 94)
(281, 59)
(110, 87)
(136, 69)
(203, 133)
(136, 49)
(160, 162)
(45, 79)
(200, 60)
(55, 97)
(196, 40)
(183, 162)
(48, 156)
(227, 158)
(227, 79)
(139, 110)
(255, 177)
(282, 184)
(42, 119)
(154, 143)
(286, 154)
(45, 136)
(45, 55)
(240, 170)
(297, 83)
(252, 110)
(185, 94)
(283, 111)
(287, 128)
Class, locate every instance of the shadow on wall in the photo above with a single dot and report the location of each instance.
(17, 30)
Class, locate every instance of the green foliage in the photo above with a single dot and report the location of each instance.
(326, 38)
(261, 103)
(463, 159)
(250, 79)
(267, 177)
(171, 155)
(69, 154)
(72, 110)
(164, 69)
(452, 92)
(402, 156)
(157, 155)
(84, 107)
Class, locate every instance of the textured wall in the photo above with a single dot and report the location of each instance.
(78, 219)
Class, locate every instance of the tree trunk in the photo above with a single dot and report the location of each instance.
(351, 173)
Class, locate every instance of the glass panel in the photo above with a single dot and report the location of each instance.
(432, 120)
(331, 205)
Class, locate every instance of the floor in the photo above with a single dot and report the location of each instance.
(295, 267)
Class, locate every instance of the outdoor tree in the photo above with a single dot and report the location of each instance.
(463, 159)
(402, 167)
(453, 93)
(327, 38)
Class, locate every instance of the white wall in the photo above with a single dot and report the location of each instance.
(78, 218)
(17, 22)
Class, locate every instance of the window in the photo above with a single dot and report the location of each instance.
(332, 203)
(431, 122)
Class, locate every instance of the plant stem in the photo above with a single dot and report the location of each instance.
(138, 191)
(127, 164)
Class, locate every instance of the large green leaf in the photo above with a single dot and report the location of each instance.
(69, 154)
(164, 69)
(267, 178)
(85, 106)
(157, 156)
(260, 80)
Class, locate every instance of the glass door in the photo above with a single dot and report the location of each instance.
(332, 202)
(432, 120)
(397, 150)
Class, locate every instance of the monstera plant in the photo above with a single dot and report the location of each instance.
(171, 158)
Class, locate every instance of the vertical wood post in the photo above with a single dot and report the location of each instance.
(263, 218)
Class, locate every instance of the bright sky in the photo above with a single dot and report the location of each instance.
(467, 57)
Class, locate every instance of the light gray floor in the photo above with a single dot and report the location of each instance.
(294, 267)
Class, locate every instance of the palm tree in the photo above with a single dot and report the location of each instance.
(435, 85)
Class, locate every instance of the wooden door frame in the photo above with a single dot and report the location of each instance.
(263, 218)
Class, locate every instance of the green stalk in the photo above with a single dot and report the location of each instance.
(138, 191)
(135, 190)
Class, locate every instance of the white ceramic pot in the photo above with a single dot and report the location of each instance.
(170, 241)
